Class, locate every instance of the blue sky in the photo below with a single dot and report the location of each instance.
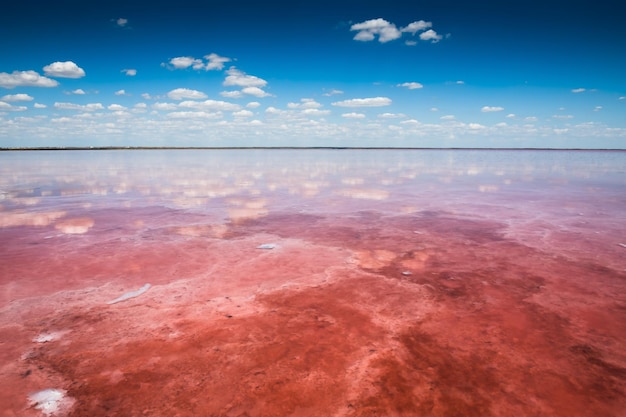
(313, 73)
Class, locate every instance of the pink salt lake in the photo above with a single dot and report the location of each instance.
(312, 283)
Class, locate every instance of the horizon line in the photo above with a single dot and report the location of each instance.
(109, 148)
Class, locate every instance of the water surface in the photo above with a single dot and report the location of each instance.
(392, 282)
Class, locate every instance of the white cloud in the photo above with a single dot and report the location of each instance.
(597, 108)
(448, 117)
(72, 106)
(488, 109)
(434, 109)
(253, 105)
(25, 79)
(333, 92)
(78, 91)
(116, 107)
(411, 85)
(315, 112)
(39, 106)
(305, 103)
(368, 30)
(475, 126)
(353, 115)
(183, 62)
(243, 113)
(66, 69)
(364, 102)
(562, 116)
(416, 26)
(255, 91)
(164, 106)
(130, 72)
(511, 116)
(430, 35)
(212, 105)
(17, 97)
(392, 115)
(145, 96)
(216, 62)
(182, 93)
(194, 115)
(7, 107)
(410, 43)
(120, 92)
(579, 90)
(232, 94)
(241, 79)
(531, 119)
(121, 22)
(460, 82)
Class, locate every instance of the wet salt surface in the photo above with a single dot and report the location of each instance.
(402, 283)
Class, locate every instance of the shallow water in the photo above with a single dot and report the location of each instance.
(313, 282)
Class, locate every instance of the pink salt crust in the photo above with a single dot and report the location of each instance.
(473, 304)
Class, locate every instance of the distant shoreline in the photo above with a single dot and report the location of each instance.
(138, 148)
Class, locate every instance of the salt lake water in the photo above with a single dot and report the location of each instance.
(313, 282)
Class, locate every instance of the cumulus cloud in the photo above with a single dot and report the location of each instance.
(255, 91)
(183, 62)
(416, 26)
(121, 22)
(253, 105)
(447, 117)
(66, 69)
(39, 106)
(411, 85)
(210, 105)
(368, 30)
(8, 107)
(216, 62)
(487, 109)
(239, 78)
(164, 106)
(305, 103)
(72, 106)
(183, 93)
(364, 102)
(243, 113)
(25, 79)
(194, 115)
(16, 97)
(579, 90)
(430, 35)
(213, 62)
(392, 115)
(78, 91)
(116, 107)
(130, 72)
(232, 94)
(315, 112)
(353, 115)
(387, 31)
(120, 92)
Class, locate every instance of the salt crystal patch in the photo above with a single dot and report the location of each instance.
(266, 246)
(51, 401)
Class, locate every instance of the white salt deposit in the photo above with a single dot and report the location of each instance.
(51, 401)
(266, 246)
(49, 336)
(131, 294)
